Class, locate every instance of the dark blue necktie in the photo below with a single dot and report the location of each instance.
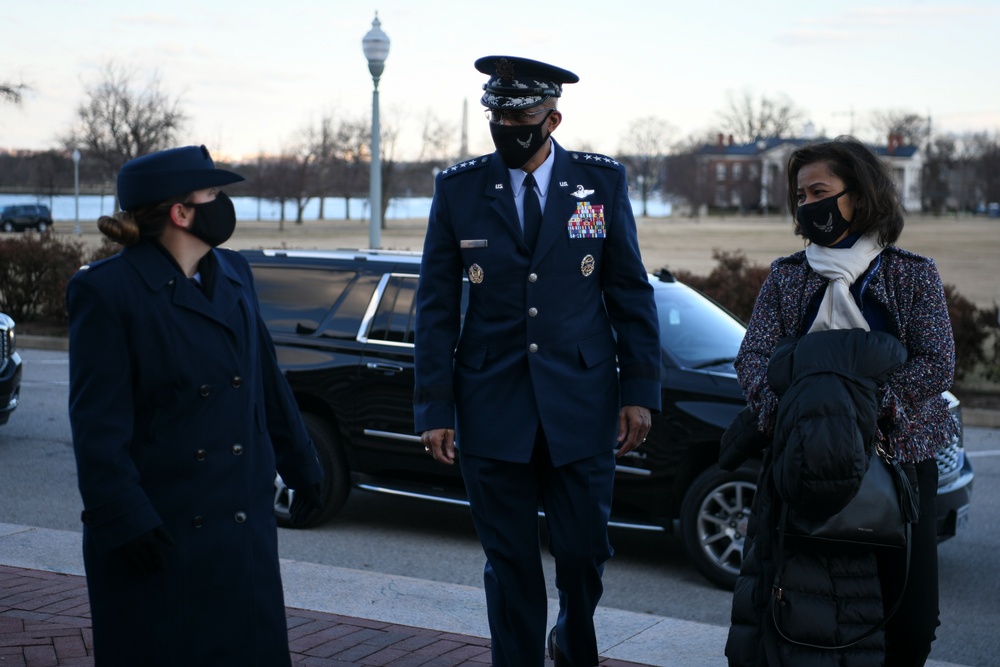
(532, 212)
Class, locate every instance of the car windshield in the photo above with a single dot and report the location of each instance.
(695, 332)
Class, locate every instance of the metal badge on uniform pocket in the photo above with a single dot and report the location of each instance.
(587, 222)
(476, 274)
(473, 243)
(587, 265)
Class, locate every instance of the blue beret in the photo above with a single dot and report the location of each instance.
(520, 83)
(159, 176)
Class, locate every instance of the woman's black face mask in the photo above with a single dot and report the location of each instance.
(822, 222)
(214, 221)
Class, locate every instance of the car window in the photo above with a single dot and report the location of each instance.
(694, 331)
(395, 316)
(294, 300)
(396, 310)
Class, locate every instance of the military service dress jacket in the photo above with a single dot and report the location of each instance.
(563, 336)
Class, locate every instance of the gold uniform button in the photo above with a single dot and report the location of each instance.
(533, 348)
(532, 312)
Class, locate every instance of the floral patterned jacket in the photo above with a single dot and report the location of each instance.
(914, 417)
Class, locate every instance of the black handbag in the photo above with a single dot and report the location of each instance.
(877, 515)
(882, 514)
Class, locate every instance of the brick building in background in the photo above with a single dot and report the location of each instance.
(748, 178)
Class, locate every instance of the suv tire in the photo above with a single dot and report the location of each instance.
(714, 518)
(8, 226)
(336, 479)
(42, 226)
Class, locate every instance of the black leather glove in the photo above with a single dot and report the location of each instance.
(147, 554)
(306, 505)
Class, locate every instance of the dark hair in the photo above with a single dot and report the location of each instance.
(866, 177)
(144, 222)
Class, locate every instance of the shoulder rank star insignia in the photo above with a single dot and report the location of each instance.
(475, 274)
(587, 265)
(581, 192)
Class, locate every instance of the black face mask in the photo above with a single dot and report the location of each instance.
(821, 221)
(518, 143)
(214, 221)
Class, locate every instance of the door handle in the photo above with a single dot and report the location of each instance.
(384, 368)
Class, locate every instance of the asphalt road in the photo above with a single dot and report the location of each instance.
(649, 572)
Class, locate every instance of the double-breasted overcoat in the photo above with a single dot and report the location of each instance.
(180, 417)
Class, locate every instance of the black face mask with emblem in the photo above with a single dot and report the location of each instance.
(518, 143)
(821, 221)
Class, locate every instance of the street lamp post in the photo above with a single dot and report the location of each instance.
(76, 189)
(376, 48)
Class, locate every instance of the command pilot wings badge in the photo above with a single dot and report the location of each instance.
(581, 192)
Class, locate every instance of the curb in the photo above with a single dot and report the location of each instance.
(30, 341)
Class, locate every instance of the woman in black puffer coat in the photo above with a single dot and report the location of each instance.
(850, 277)
(827, 383)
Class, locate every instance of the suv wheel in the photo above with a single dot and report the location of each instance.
(42, 227)
(8, 226)
(336, 480)
(714, 518)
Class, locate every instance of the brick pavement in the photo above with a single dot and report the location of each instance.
(45, 622)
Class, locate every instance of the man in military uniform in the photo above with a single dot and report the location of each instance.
(557, 364)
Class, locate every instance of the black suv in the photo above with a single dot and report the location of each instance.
(342, 323)
(19, 217)
(10, 369)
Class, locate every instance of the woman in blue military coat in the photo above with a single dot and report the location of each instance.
(180, 418)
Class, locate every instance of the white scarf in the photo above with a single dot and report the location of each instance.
(841, 266)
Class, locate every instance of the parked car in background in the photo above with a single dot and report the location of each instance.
(10, 369)
(18, 217)
(342, 324)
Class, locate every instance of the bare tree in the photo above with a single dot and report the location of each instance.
(320, 144)
(351, 160)
(49, 172)
(121, 120)
(966, 188)
(988, 168)
(291, 179)
(12, 92)
(937, 167)
(749, 119)
(390, 166)
(912, 129)
(645, 146)
(686, 174)
(278, 179)
(437, 141)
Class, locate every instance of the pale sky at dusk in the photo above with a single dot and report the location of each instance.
(251, 74)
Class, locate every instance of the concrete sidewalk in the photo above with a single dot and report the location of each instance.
(336, 616)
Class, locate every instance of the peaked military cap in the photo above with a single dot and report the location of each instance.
(153, 178)
(520, 83)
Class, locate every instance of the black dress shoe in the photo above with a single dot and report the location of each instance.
(557, 656)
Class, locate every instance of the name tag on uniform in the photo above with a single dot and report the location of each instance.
(472, 243)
